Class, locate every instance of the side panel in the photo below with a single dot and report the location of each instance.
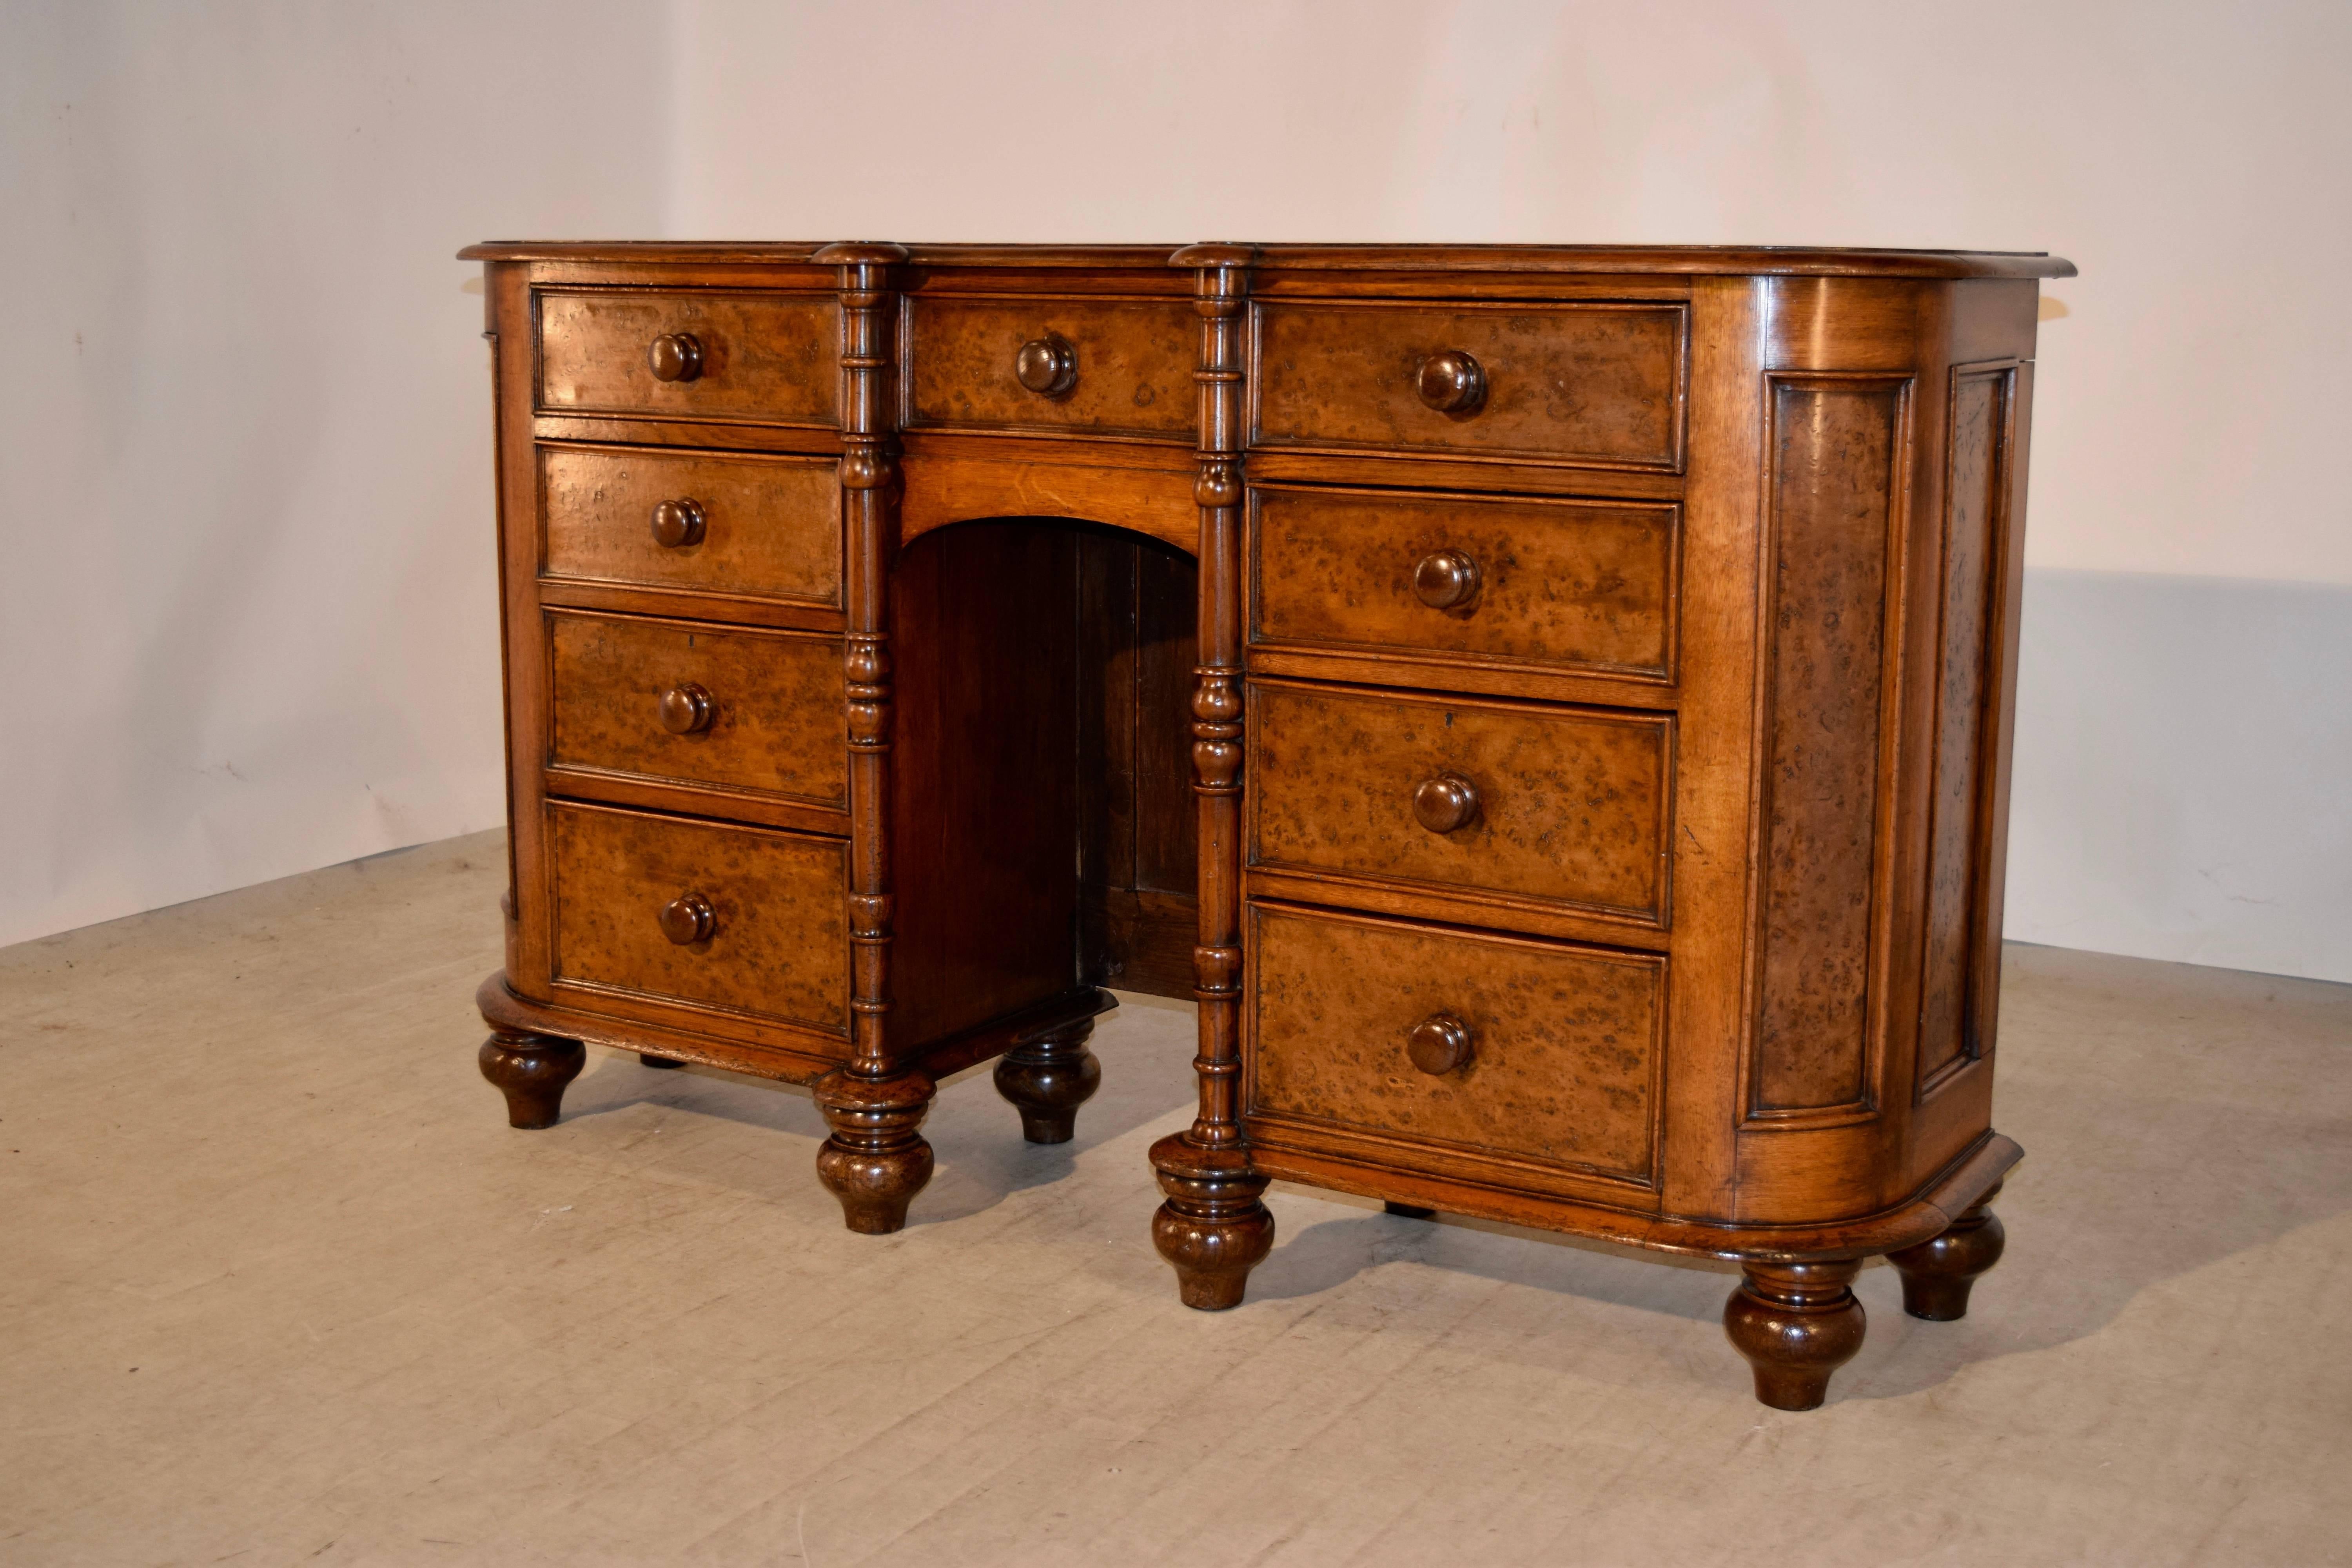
(1958, 992)
(1834, 501)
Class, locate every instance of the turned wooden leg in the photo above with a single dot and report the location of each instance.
(652, 1060)
(875, 1162)
(1796, 1323)
(532, 1072)
(1938, 1272)
(1409, 1211)
(1213, 1229)
(1048, 1078)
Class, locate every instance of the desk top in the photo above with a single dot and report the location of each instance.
(1765, 261)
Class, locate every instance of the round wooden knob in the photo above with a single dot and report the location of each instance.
(1439, 1044)
(1047, 366)
(676, 356)
(688, 918)
(1446, 802)
(1445, 580)
(686, 710)
(677, 523)
(1451, 381)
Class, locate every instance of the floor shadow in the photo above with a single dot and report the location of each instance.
(1330, 1252)
(974, 1134)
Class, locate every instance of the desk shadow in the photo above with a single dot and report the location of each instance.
(975, 1135)
(1330, 1252)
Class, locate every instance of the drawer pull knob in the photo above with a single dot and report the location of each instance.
(686, 710)
(1445, 580)
(1451, 382)
(677, 523)
(1439, 1044)
(687, 919)
(676, 356)
(1446, 802)
(1047, 366)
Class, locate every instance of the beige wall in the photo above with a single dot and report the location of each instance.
(246, 614)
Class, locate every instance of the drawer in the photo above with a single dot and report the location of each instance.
(774, 942)
(770, 359)
(1475, 1045)
(763, 527)
(691, 704)
(1597, 385)
(1498, 801)
(1107, 367)
(1579, 586)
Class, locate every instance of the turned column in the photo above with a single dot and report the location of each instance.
(1796, 1323)
(532, 1072)
(1213, 1228)
(875, 1160)
(1938, 1272)
(1047, 1077)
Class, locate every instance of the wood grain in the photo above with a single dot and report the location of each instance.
(1572, 803)
(1566, 1041)
(1579, 586)
(779, 949)
(1567, 384)
(771, 526)
(1956, 1003)
(1835, 449)
(766, 357)
(1133, 361)
(776, 716)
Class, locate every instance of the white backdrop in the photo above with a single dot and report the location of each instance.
(248, 619)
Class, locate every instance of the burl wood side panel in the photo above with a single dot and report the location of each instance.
(1565, 384)
(776, 720)
(1955, 1001)
(779, 948)
(771, 526)
(1584, 585)
(1572, 803)
(1564, 1061)
(1135, 364)
(1836, 446)
(767, 359)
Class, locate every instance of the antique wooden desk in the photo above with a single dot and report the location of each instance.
(1550, 708)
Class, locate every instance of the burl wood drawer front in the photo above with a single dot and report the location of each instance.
(762, 914)
(1106, 367)
(1582, 585)
(768, 358)
(1527, 1050)
(1573, 383)
(1561, 807)
(760, 527)
(699, 704)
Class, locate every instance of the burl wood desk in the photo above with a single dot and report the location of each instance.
(1550, 707)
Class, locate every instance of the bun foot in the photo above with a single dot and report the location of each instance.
(875, 1162)
(1048, 1078)
(652, 1060)
(1938, 1273)
(1796, 1323)
(532, 1072)
(1213, 1230)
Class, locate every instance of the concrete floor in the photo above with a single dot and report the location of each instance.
(278, 1285)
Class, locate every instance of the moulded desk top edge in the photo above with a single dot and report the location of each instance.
(1687, 260)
